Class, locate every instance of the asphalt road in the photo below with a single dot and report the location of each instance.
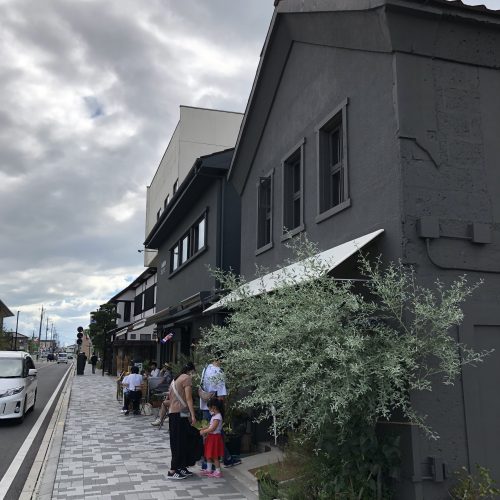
(13, 434)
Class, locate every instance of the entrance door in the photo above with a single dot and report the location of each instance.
(481, 330)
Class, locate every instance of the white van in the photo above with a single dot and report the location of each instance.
(18, 384)
(62, 357)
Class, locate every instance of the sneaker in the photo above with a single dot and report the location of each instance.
(215, 473)
(175, 475)
(156, 423)
(206, 472)
(185, 471)
(232, 462)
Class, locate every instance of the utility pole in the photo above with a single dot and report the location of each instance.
(17, 324)
(46, 331)
(40, 334)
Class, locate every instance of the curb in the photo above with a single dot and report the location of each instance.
(40, 481)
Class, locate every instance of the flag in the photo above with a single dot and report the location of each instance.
(167, 337)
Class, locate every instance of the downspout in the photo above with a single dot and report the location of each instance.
(219, 259)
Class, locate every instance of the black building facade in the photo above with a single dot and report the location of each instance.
(199, 230)
(383, 114)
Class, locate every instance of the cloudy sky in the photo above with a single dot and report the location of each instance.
(90, 94)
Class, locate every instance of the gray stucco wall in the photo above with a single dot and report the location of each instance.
(423, 141)
(315, 81)
(194, 276)
(449, 117)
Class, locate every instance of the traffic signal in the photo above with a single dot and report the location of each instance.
(79, 335)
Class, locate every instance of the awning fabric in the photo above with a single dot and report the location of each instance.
(295, 273)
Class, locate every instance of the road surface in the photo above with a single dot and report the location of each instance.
(14, 434)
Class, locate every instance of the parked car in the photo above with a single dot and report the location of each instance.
(62, 357)
(18, 384)
(50, 357)
(70, 356)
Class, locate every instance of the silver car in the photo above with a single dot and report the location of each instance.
(18, 384)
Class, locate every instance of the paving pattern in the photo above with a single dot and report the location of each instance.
(108, 456)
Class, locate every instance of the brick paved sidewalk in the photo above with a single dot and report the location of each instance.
(107, 456)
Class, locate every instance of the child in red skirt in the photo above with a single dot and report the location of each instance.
(214, 445)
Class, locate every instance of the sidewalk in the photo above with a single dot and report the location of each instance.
(107, 456)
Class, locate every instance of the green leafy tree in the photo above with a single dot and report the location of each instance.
(474, 486)
(325, 351)
(103, 321)
(330, 359)
(5, 339)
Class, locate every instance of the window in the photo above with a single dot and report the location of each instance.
(293, 191)
(133, 336)
(199, 234)
(126, 311)
(138, 304)
(264, 211)
(29, 363)
(149, 298)
(174, 257)
(185, 250)
(193, 242)
(332, 168)
(145, 336)
(176, 185)
(165, 203)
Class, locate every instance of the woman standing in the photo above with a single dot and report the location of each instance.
(180, 408)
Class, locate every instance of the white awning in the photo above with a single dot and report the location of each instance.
(296, 273)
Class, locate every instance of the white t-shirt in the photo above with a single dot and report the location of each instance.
(213, 381)
(125, 383)
(216, 418)
(155, 372)
(134, 381)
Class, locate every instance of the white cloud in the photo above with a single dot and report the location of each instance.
(90, 97)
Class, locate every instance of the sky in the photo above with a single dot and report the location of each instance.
(90, 94)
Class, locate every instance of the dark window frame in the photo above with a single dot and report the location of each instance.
(149, 298)
(289, 195)
(195, 228)
(335, 121)
(193, 250)
(139, 298)
(175, 257)
(185, 247)
(269, 217)
(127, 310)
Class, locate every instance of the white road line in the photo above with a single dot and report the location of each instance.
(12, 471)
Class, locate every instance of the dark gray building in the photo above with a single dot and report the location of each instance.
(384, 114)
(199, 229)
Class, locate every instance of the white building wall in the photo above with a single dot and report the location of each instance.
(120, 308)
(199, 132)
